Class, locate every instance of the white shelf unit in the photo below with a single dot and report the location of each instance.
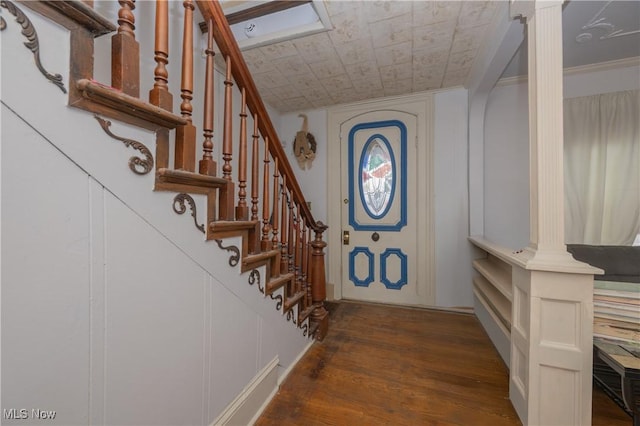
(492, 288)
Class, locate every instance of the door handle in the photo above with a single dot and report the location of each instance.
(345, 238)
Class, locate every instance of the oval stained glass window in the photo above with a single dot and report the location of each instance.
(377, 177)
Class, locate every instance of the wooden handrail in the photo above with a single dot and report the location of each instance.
(229, 48)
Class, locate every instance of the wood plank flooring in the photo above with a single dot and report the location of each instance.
(382, 365)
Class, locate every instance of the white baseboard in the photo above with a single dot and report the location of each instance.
(282, 377)
(254, 398)
(249, 404)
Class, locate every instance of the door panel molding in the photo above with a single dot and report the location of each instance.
(402, 168)
(361, 282)
(402, 280)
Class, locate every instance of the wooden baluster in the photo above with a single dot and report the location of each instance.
(307, 272)
(298, 256)
(320, 316)
(227, 138)
(160, 95)
(185, 157)
(275, 216)
(284, 254)
(207, 166)
(276, 201)
(255, 164)
(265, 243)
(242, 211)
(303, 263)
(291, 237)
(125, 52)
(227, 193)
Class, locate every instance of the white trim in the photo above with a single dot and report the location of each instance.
(283, 376)
(582, 69)
(250, 403)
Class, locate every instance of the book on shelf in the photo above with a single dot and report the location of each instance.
(616, 333)
(616, 293)
(615, 316)
(617, 305)
(614, 299)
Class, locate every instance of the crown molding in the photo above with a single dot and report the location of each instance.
(582, 69)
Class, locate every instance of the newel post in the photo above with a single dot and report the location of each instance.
(320, 315)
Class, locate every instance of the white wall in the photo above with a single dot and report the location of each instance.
(453, 251)
(114, 308)
(312, 180)
(506, 149)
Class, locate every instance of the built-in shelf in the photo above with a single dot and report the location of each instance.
(497, 302)
(493, 289)
(497, 272)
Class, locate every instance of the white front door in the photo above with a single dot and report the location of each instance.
(379, 213)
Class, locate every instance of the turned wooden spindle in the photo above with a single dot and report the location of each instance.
(307, 263)
(284, 253)
(242, 210)
(255, 165)
(227, 138)
(265, 244)
(303, 260)
(160, 95)
(291, 237)
(125, 52)
(298, 252)
(227, 193)
(276, 201)
(207, 166)
(185, 157)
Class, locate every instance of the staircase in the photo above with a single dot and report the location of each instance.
(253, 194)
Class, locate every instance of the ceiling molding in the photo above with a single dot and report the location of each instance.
(582, 69)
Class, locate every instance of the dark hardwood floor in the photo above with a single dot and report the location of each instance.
(382, 365)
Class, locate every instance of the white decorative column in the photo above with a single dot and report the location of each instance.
(552, 308)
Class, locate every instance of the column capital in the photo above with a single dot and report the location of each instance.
(526, 8)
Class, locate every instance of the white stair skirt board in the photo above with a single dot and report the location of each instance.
(283, 376)
(249, 404)
(254, 398)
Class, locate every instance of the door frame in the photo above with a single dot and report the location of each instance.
(420, 105)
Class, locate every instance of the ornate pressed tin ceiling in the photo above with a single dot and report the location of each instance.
(384, 48)
(375, 49)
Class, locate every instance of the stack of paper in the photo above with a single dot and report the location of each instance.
(617, 310)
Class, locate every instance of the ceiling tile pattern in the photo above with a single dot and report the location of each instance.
(375, 49)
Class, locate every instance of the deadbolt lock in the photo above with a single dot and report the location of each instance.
(345, 238)
(346, 201)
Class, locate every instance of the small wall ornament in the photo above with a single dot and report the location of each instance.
(304, 145)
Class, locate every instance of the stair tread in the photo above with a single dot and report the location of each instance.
(117, 100)
(84, 15)
(258, 257)
(292, 301)
(277, 282)
(230, 225)
(189, 179)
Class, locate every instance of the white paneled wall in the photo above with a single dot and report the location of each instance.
(114, 308)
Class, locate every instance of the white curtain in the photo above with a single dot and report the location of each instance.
(602, 168)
